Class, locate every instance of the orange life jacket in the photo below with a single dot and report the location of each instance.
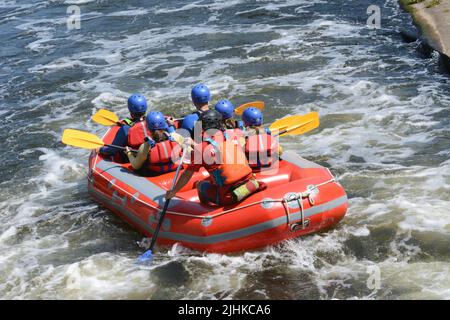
(232, 163)
(136, 134)
(160, 157)
(261, 150)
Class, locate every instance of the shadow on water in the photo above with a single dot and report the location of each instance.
(274, 283)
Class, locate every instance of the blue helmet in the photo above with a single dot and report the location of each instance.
(156, 121)
(200, 94)
(252, 117)
(225, 108)
(137, 103)
(189, 122)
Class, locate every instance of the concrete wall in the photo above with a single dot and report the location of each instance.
(433, 19)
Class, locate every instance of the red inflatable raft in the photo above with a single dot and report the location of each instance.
(301, 198)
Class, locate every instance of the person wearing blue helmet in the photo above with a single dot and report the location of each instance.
(230, 179)
(137, 106)
(201, 97)
(233, 128)
(262, 150)
(226, 109)
(155, 156)
(253, 120)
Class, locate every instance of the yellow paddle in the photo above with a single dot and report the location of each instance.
(85, 140)
(295, 125)
(105, 117)
(256, 104)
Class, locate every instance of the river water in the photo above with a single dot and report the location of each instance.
(384, 132)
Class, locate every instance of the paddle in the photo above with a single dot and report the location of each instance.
(85, 140)
(295, 125)
(105, 117)
(148, 255)
(256, 104)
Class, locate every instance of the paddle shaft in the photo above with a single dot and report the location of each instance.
(166, 204)
(119, 147)
(161, 219)
(280, 133)
(290, 129)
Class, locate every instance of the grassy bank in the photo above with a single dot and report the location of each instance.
(408, 4)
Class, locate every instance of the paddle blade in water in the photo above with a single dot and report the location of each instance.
(81, 139)
(146, 257)
(255, 104)
(105, 117)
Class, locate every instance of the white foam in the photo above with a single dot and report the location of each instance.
(58, 65)
(126, 13)
(80, 1)
(11, 231)
(213, 6)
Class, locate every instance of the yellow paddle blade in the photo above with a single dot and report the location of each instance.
(105, 117)
(297, 125)
(283, 123)
(255, 104)
(81, 139)
(302, 128)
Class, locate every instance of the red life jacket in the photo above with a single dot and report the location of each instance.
(136, 134)
(261, 150)
(159, 158)
(177, 124)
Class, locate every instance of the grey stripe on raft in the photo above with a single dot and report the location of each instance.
(294, 158)
(226, 236)
(138, 183)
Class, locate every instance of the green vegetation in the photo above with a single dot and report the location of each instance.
(407, 4)
(410, 2)
(434, 3)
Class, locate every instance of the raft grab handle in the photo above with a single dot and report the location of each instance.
(311, 191)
